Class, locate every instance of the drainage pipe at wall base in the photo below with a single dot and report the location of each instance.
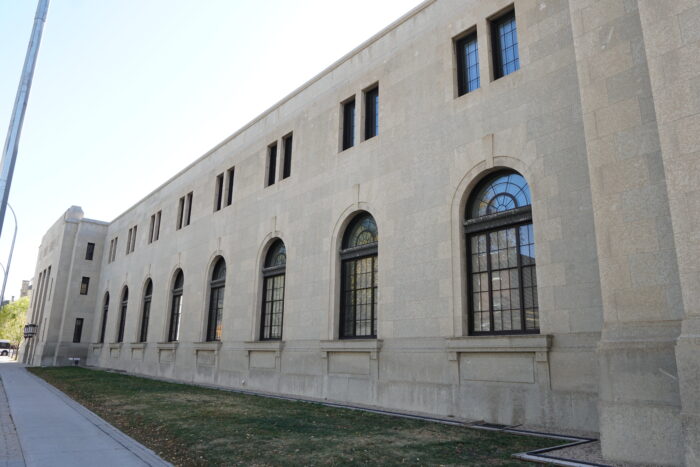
(537, 455)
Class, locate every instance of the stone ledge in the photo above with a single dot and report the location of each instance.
(515, 343)
(370, 346)
(270, 346)
(137, 345)
(167, 345)
(96, 346)
(115, 345)
(206, 346)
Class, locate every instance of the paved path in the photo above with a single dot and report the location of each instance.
(50, 429)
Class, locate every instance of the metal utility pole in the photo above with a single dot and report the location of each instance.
(9, 155)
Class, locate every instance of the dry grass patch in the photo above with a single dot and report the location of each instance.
(196, 426)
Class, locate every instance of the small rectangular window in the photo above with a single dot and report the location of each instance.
(90, 251)
(128, 242)
(287, 169)
(84, 284)
(78, 330)
(504, 38)
(111, 249)
(349, 124)
(133, 238)
(271, 163)
(156, 230)
(188, 211)
(180, 213)
(372, 113)
(467, 64)
(229, 185)
(219, 192)
(151, 228)
(114, 250)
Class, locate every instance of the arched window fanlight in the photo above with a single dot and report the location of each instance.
(274, 272)
(358, 302)
(502, 281)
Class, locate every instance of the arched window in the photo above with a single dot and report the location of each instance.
(148, 292)
(105, 309)
(358, 302)
(273, 292)
(216, 300)
(122, 314)
(501, 257)
(176, 307)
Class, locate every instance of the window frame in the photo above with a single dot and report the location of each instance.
(461, 43)
(78, 330)
(90, 251)
(497, 46)
(105, 312)
(269, 273)
(219, 192)
(176, 294)
(486, 225)
(353, 255)
(146, 311)
(230, 174)
(123, 306)
(271, 173)
(84, 285)
(348, 114)
(215, 313)
(287, 146)
(371, 108)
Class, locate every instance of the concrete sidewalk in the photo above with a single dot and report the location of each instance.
(41, 426)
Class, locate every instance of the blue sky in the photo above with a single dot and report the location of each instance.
(128, 92)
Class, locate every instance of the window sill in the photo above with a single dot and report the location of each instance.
(115, 345)
(167, 345)
(269, 346)
(138, 345)
(96, 346)
(370, 346)
(206, 346)
(537, 343)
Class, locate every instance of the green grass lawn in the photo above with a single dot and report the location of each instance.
(188, 425)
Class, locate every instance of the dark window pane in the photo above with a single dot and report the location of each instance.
(468, 64)
(90, 251)
(349, 124)
(78, 330)
(271, 164)
(505, 45)
(287, 169)
(372, 113)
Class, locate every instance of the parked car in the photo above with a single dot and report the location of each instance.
(5, 348)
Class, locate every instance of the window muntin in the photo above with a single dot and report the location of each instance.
(145, 316)
(359, 270)
(122, 314)
(105, 310)
(372, 112)
(467, 64)
(504, 33)
(84, 284)
(78, 330)
(274, 272)
(348, 124)
(176, 307)
(216, 301)
(287, 161)
(501, 257)
(89, 253)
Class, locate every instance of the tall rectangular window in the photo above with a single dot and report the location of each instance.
(467, 64)
(271, 163)
(287, 168)
(372, 112)
(128, 242)
(349, 124)
(156, 229)
(133, 238)
(180, 213)
(89, 253)
(78, 330)
(84, 284)
(229, 185)
(188, 208)
(504, 38)
(151, 228)
(112, 250)
(219, 192)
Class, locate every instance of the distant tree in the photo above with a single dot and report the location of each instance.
(12, 317)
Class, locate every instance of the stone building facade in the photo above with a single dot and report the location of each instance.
(488, 210)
